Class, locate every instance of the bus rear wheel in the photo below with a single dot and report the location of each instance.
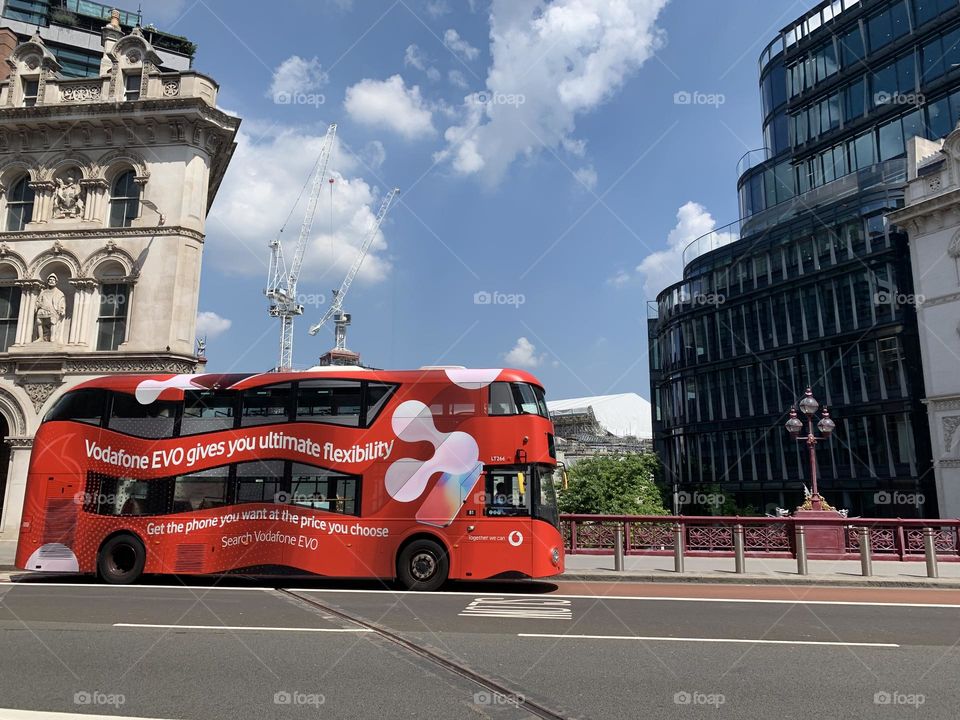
(121, 560)
(423, 565)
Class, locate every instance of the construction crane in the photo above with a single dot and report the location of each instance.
(281, 290)
(335, 311)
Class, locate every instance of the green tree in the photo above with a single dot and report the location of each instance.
(614, 485)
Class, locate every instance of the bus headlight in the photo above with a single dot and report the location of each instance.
(555, 556)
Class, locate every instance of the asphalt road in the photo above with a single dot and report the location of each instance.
(235, 650)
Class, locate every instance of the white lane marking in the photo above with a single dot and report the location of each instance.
(241, 627)
(761, 601)
(13, 714)
(707, 640)
(544, 608)
(443, 593)
(102, 586)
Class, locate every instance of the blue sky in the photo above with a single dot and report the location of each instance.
(540, 152)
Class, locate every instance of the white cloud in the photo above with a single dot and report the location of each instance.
(563, 59)
(457, 79)
(437, 8)
(389, 104)
(620, 279)
(587, 177)
(523, 355)
(374, 154)
(210, 325)
(413, 57)
(256, 196)
(296, 75)
(665, 267)
(452, 39)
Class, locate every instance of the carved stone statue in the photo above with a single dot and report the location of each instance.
(51, 311)
(68, 198)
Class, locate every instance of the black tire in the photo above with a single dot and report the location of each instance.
(423, 565)
(121, 560)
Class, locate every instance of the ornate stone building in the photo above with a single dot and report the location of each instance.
(931, 217)
(105, 184)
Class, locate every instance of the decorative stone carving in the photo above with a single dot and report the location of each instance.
(954, 248)
(951, 440)
(19, 443)
(68, 198)
(80, 93)
(171, 88)
(51, 312)
(39, 393)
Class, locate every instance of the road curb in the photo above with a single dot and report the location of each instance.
(809, 580)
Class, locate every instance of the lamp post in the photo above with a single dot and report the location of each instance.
(809, 407)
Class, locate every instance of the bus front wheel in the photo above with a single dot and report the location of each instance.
(121, 560)
(423, 565)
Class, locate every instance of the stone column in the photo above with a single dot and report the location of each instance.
(30, 289)
(16, 487)
(43, 202)
(95, 192)
(82, 302)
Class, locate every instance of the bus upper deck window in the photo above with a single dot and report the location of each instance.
(266, 405)
(85, 405)
(131, 417)
(207, 411)
(501, 399)
(528, 400)
(329, 401)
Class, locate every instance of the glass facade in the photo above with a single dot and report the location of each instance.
(817, 293)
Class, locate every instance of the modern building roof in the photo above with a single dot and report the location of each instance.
(623, 415)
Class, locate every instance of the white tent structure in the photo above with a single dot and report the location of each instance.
(621, 415)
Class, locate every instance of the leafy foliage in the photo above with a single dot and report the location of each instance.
(614, 485)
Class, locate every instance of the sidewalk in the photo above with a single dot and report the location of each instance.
(768, 571)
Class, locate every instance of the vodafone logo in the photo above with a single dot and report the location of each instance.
(515, 538)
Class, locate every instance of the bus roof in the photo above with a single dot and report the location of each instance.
(152, 385)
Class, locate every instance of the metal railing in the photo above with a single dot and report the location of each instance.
(706, 536)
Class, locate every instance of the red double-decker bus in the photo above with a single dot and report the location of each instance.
(416, 475)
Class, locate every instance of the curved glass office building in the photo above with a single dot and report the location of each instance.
(812, 287)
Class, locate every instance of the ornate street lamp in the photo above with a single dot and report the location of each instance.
(809, 407)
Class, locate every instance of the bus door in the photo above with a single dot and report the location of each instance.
(501, 540)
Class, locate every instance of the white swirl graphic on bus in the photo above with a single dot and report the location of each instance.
(456, 452)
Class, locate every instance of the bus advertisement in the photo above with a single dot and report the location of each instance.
(420, 476)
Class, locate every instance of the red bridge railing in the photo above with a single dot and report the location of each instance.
(890, 539)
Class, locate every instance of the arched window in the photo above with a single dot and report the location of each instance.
(9, 307)
(20, 204)
(124, 200)
(114, 307)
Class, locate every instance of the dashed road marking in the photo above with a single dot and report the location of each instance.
(526, 608)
